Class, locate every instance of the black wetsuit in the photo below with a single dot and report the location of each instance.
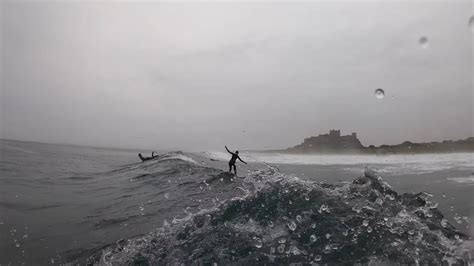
(153, 156)
(232, 161)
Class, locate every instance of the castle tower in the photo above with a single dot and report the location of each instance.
(335, 133)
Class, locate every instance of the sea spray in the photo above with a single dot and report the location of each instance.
(238, 230)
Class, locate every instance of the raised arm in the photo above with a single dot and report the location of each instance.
(241, 160)
(229, 151)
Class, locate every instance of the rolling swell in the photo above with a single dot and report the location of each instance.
(282, 220)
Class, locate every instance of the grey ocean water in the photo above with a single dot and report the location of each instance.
(61, 203)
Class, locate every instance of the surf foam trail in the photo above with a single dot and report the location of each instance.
(281, 219)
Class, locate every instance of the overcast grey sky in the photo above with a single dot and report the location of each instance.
(196, 76)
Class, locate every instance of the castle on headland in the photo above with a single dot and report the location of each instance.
(332, 142)
(335, 143)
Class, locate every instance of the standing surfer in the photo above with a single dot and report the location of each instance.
(234, 158)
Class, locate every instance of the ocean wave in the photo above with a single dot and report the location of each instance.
(13, 147)
(281, 219)
(413, 168)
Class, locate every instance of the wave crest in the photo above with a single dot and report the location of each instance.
(282, 219)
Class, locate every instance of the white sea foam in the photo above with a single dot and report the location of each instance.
(179, 157)
(463, 180)
(397, 164)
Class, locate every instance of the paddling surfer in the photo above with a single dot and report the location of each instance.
(153, 156)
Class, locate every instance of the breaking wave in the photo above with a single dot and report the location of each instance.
(273, 218)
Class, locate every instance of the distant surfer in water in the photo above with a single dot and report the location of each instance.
(153, 156)
(234, 158)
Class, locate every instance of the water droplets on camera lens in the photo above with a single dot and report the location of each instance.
(317, 258)
(292, 226)
(471, 23)
(379, 93)
(423, 41)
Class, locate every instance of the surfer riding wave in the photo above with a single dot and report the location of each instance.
(234, 158)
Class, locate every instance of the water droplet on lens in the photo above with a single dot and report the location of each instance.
(282, 240)
(312, 238)
(327, 249)
(471, 23)
(299, 219)
(167, 195)
(389, 223)
(369, 229)
(323, 208)
(328, 236)
(379, 93)
(313, 225)
(423, 41)
(292, 226)
(345, 233)
(444, 222)
(281, 248)
(258, 243)
(379, 201)
(317, 258)
(365, 223)
(306, 197)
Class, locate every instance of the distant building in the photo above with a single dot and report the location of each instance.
(332, 142)
(335, 143)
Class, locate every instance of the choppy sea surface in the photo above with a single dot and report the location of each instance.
(81, 205)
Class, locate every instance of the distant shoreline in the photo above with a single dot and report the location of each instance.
(360, 152)
(334, 143)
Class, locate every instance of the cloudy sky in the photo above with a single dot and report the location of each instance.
(196, 76)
